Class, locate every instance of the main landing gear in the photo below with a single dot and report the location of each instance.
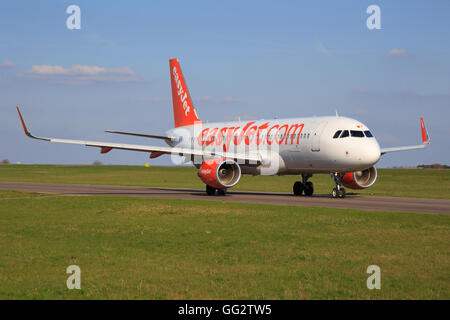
(305, 187)
(210, 191)
(338, 191)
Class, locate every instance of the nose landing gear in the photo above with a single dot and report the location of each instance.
(305, 187)
(338, 191)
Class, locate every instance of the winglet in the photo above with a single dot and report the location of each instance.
(25, 127)
(425, 138)
(23, 123)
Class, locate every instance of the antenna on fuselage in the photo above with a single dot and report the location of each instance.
(337, 114)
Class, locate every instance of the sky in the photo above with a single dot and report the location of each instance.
(247, 59)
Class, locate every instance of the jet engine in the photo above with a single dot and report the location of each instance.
(360, 179)
(220, 173)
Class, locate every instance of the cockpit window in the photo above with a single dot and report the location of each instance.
(336, 135)
(356, 133)
(368, 134)
(345, 134)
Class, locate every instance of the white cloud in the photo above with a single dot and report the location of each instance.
(361, 111)
(203, 99)
(321, 48)
(157, 99)
(402, 94)
(215, 100)
(228, 100)
(7, 64)
(206, 98)
(79, 74)
(244, 117)
(387, 138)
(396, 52)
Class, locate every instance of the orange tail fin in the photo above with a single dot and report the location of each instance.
(183, 109)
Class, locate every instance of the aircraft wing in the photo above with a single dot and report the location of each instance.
(250, 158)
(425, 142)
(142, 135)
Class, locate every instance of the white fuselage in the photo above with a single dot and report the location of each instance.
(301, 145)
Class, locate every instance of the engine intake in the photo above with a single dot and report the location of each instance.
(360, 179)
(220, 173)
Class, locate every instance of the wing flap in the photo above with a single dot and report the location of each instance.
(142, 135)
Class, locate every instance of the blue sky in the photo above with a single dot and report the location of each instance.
(253, 59)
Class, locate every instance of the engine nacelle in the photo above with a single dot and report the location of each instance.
(360, 179)
(220, 173)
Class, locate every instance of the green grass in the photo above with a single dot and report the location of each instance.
(131, 248)
(390, 182)
(6, 194)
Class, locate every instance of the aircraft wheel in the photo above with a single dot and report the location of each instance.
(210, 191)
(309, 189)
(341, 193)
(334, 193)
(221, 192)
(298, 188)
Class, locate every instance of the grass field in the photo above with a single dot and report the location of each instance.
(390, 182)
(8, 194)
(131, 248)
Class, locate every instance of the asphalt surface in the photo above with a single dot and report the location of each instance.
(397, 204)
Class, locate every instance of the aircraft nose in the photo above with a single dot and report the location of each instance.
(372, 153)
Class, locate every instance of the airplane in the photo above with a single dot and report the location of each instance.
(343, 147)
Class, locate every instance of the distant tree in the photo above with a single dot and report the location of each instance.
(96, 163)
(433, 166)
(5, 161)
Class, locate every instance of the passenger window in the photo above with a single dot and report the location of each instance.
(357, 134)
(368, 134)
(345, 134)
(336, 135)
